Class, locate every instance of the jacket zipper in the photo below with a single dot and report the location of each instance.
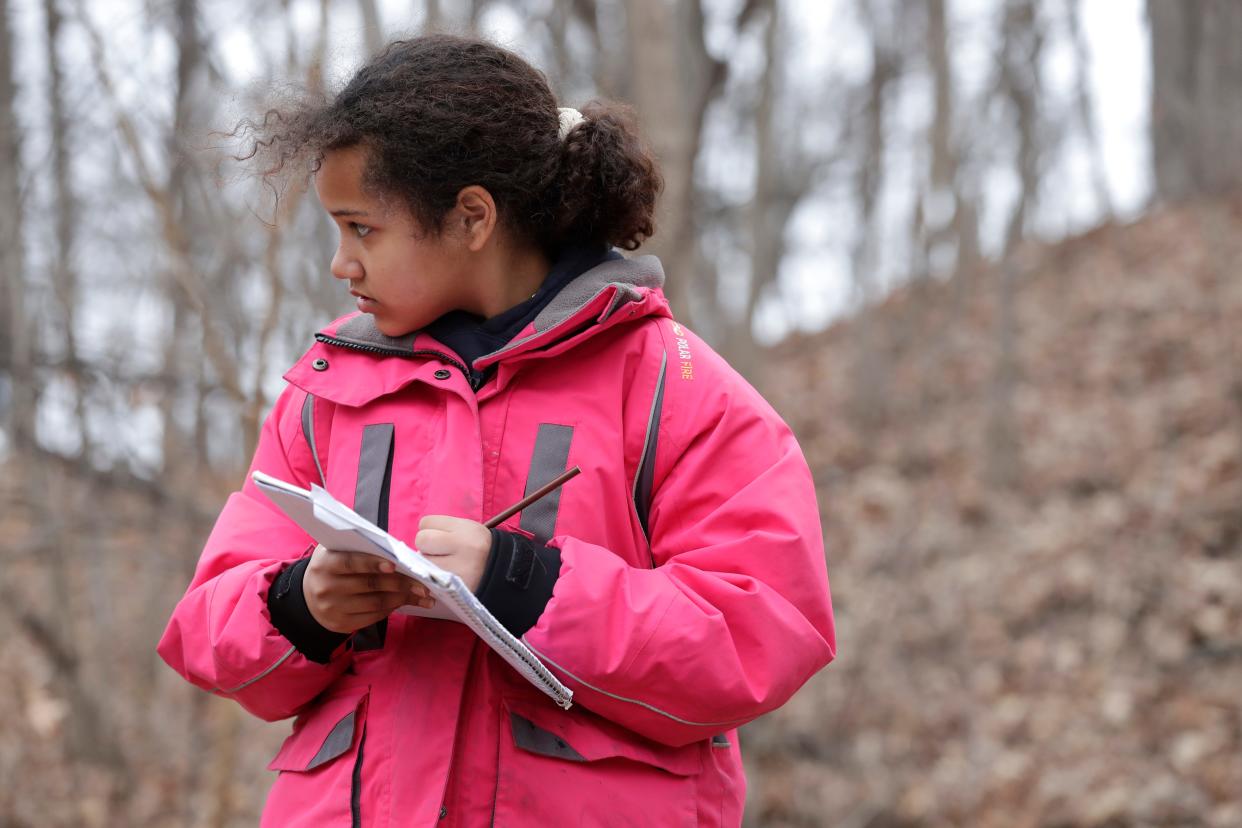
(377, 349)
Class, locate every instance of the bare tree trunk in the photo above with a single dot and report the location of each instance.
(184, 450)
(1020, 54)
(433, 17)
(372, 30)
(557, 21)
(1003, 457)
(16, 344)
(314, 67)
(766, 217)
(674, 80)
(1085, 106)
(950, 225)
(474, 14)
(92, 736)
(65, 208)
(870, 369)
(1196, 112)
(179, 459)
(604, 70)
(782, 178)
(1021, 47)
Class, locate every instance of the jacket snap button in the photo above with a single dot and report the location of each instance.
(320, 365)
(443, 812)
(441, 373)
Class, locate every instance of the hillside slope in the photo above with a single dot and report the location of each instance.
(1039, 591)
(1049, 635)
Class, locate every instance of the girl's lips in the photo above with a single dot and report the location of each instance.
(365, 303)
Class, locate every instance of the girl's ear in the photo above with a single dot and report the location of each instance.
(475, 216)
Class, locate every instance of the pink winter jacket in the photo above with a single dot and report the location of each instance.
(692, 596)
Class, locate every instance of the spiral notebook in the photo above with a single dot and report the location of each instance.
(339, 527)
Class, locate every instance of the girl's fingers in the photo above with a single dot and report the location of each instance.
(353, 563)
(433, 541)
(423, 602)
(396, 584)
(365, 608)
(379, 604)
(442, 522)
(375, 582)
(364, 564)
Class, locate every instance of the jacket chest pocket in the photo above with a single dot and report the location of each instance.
(353, 449)
(559, 768)
(320, 765)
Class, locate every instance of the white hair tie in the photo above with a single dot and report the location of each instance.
(570, 118)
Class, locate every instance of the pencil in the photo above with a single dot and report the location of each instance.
(545, 489)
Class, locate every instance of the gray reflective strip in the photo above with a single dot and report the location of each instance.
(338, 741)
(652, 708)
(372, 470)
(308, 429)
(249, 682)
(645, 476)
(550, 459)
(720, 741)
(535, 739)
(371, 501)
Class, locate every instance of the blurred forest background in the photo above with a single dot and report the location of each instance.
(1025, 418)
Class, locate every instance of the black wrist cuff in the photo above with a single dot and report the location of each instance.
(286, 603)
(518, 580)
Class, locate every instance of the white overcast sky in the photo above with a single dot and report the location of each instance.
(814, 282)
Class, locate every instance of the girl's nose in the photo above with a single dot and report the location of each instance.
(345, 266)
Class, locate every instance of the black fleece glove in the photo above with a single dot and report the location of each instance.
(286, 603)
(516, 585)
(518, 580)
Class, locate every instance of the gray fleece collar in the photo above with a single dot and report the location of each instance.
(629, 276)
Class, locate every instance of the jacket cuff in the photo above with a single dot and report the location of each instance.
(286, 603)
(518, 580)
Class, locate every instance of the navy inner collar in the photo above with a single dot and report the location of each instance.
(472, 336)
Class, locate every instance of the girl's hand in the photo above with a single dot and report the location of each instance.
(346, 591)
(459, 545)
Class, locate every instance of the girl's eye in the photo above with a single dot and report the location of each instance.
(360, 230)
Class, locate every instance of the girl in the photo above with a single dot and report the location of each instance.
(677, 586)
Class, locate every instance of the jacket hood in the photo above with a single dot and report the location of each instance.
(610, 286)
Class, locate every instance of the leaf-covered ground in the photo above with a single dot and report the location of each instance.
(1038, 583)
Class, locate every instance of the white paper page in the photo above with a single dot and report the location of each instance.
(300, 506)
(336, 526)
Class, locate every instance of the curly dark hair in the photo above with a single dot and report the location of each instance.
(441, 112)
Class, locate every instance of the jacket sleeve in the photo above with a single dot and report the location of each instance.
(220, 636)
(735, 615)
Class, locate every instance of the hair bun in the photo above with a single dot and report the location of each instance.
(608, 181)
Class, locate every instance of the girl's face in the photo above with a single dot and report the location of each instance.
(401, 275)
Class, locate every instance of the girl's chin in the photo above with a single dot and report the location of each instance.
(386, 321)
(389, 328)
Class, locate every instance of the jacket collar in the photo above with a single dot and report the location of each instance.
(610, 285)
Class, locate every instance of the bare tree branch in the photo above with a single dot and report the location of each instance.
(182, 270)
